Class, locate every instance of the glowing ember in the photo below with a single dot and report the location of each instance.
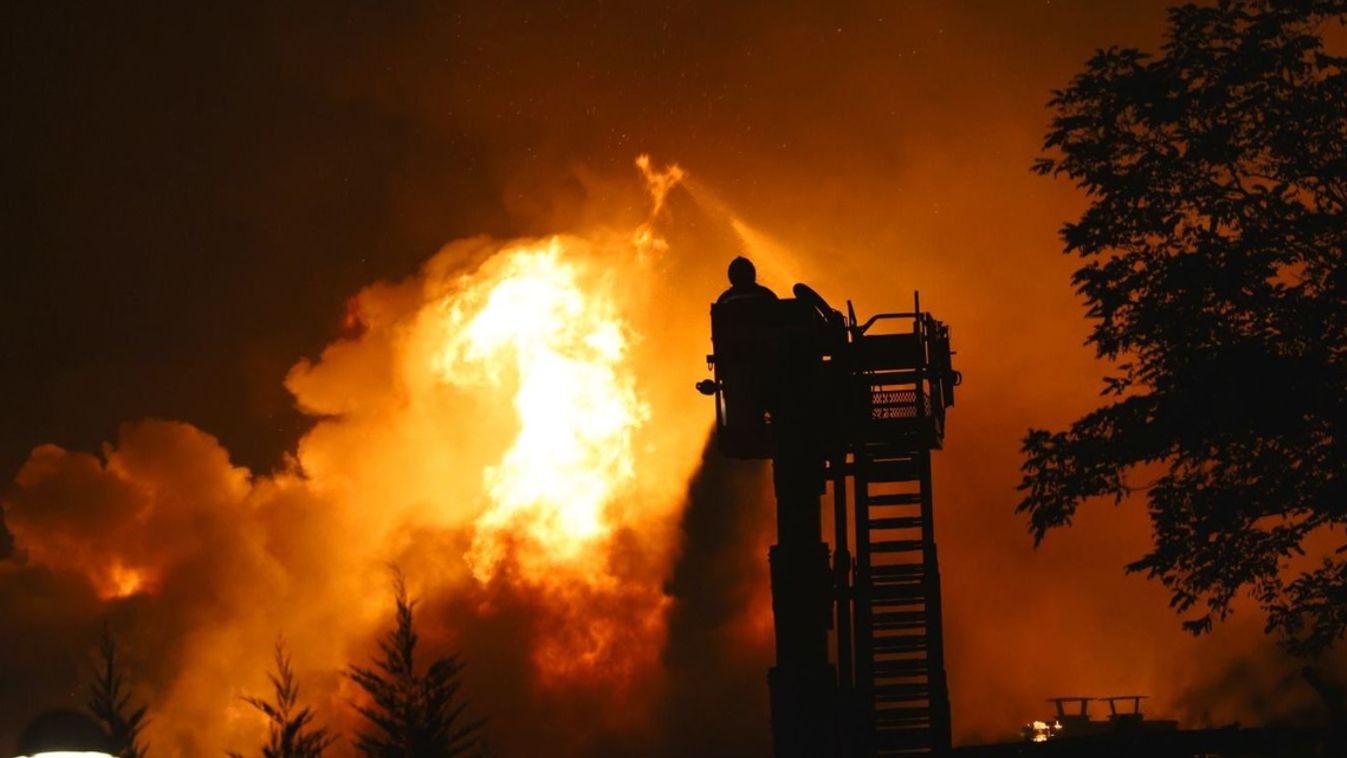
(122, 582)
(1041, 731)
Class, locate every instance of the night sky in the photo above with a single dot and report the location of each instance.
(196, 194)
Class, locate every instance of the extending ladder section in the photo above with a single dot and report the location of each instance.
(900, 668)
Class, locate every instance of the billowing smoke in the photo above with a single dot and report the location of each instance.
(197, 563)
(506, 426)
(720, 626)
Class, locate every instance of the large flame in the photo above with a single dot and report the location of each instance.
(565, 349)
(540, 320)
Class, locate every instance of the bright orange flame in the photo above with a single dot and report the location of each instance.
(1041, 731)
(121, 581)
(547, 323)
(658, 184)
(575, 400)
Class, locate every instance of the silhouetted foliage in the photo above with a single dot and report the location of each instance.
(414, 716)
(1214, 275)
(110, 702)
(291, 733)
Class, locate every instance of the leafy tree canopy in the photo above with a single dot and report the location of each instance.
(1213, 272)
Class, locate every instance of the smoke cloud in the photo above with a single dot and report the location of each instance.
(720, 628)
(203, 563)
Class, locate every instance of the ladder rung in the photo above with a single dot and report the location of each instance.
(895, 546)
(898, 620)
(897, 693)
(906, 498)
(902, 667)
(896, 522)
(904, 723)
(899, 470)
(902, 739)
(898, 438)
(911, 593)
(906, 643)
(897, 581)
(904, 715)
(898, 571)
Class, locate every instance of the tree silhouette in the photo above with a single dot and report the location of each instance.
(413, 716)
(1214, 276)
(290, 728)
(110, 702)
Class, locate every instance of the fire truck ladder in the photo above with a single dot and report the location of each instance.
(900, 692)
(800, 384)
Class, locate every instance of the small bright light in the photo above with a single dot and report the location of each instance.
(1041, 731)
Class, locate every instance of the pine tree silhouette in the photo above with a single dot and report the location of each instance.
(412, 716)
(110, 702)
(292, 734)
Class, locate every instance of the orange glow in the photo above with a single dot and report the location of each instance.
(352, 322)
(503, 426)
(1041, 731)
(647, 241)
(122, 582)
